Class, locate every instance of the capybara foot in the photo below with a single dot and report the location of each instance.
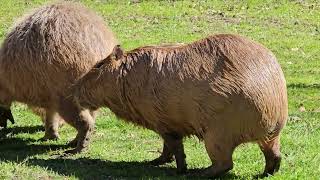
(161, 160)
(73, 143)
(215, 171)
(50, 137)
(273, 166)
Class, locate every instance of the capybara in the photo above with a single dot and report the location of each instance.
(225, 89)
(44, 54)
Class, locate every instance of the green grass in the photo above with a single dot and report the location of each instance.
(291, 29)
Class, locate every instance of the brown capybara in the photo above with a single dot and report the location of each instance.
(44, 54)
(225, 89)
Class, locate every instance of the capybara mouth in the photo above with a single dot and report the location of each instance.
(5, 115)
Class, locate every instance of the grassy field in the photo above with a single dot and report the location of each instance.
(291, 29)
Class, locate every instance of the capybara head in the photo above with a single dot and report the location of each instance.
(88, 89)
(116, 55)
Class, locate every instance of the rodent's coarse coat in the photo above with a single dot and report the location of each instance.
(225, 89)
(45, 53)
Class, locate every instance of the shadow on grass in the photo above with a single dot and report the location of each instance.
(85, 168)
(19, 150)
(18, 130)
(16, 149)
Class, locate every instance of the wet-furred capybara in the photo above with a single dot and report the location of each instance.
(44, 54)
(224, 89)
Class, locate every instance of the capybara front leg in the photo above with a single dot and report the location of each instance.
(82, 121)
(5, 115)
(74, 142)
(271, 151)
(51, 125)
(175, 145)
(220, 152)
(165, 157)
(85, 127)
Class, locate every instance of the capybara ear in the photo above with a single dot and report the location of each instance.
(117, 52)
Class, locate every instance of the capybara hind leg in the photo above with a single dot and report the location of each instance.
(51, 125)
(271, 151)
(220, 152)
(165, 157)
(81, 120)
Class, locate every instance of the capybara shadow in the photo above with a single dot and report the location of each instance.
(17, 149)
(20, 150)
(104, 169)
(20, 129)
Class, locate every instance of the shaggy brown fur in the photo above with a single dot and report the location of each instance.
(225, 89)
(47, 52)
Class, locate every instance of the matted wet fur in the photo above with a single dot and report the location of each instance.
(225, 89)
(45, 53)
